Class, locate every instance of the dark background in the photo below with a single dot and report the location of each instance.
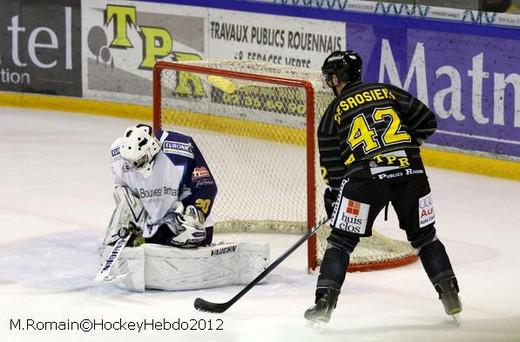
(33, 14)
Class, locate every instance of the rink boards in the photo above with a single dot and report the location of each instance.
(463, 68)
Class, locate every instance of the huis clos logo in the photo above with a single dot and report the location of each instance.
(352, 216)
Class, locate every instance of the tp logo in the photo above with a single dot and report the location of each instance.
(121, 31)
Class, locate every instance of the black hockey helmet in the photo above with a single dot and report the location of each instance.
(346, 65)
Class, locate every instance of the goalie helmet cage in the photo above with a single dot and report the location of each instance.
(255, 125)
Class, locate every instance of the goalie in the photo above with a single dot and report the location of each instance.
(164, 193)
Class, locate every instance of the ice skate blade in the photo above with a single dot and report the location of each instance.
(456, 319)
(316, 326)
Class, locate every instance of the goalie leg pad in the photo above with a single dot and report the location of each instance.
(128, 269)
(170, 268)
(161, 267)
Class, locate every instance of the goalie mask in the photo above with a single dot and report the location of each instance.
(139, 146)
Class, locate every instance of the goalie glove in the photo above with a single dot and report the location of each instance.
(192, 232)
(186, 226)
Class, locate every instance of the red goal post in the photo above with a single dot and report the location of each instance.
(224, 105)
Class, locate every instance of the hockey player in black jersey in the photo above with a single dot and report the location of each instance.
(369, 140)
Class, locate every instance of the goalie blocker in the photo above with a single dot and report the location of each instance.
(152, 266)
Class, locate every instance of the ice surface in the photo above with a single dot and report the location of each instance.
(56, 200)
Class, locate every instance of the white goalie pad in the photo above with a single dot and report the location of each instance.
(161, 267)
(128, 269)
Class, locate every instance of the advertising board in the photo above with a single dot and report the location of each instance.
(122, 41)
(470, 82)
(40, 53)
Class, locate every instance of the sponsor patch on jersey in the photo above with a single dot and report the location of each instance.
(426, 212)
(116, 154)
(157, 192)
(351, 216)
(127, 167)
(182, 149)
(199, 173)
(388, 162)
(202, 183)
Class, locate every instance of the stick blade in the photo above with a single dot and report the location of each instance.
(203, 305)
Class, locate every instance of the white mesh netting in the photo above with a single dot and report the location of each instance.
(252, 133)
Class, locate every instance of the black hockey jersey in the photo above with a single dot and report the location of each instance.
(373, 130)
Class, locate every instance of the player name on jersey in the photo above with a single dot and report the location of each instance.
(364, 97)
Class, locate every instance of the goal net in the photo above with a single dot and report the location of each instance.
(255, 124)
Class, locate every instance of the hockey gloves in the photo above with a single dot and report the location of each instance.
(186, 226)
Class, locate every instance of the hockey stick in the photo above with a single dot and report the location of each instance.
(103, 275)
(203, 305)
(124, 233)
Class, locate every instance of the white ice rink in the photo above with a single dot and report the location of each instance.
(56, 199)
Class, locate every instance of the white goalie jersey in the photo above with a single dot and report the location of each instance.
(174, 173)
(179, 174)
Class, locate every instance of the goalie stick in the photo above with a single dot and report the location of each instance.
(124, 234)
(103, 275)
(204, 305)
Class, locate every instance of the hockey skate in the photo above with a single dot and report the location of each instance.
(319, 313)
(448, 290)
